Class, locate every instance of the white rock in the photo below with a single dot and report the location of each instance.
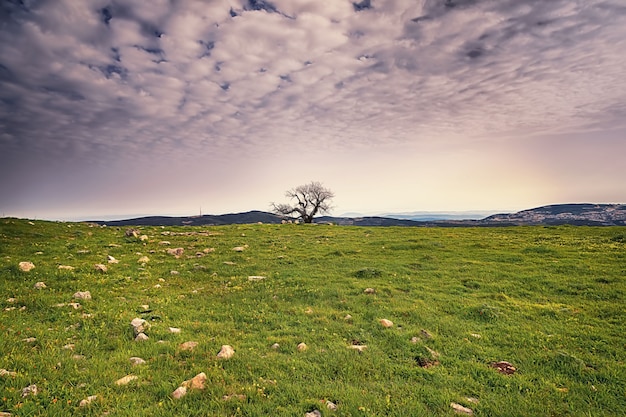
(226, 352)
(179, 392)
(75, 306)
(4, 372)
(143, 260)
(100, 267)
(302, 347)
(275, 346)
(87, 401)
(66, 267)
(386, 323)
(239, 248)
(141, 337)
(137, 361)
(112, 260)
(188, 345)
(459, 409)
(29, 340)
(331, 405)
(26, 266)
(197, 382)
(255, 278)
(30, 390)
(126, 380)
(347, 317)
(82, 295)
(40, 285)
(314, 413)
(360, 348)
(174, 330)
(369, 291)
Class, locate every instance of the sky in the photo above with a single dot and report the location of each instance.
(118, 108)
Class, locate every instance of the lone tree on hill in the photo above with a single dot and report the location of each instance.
(309, 200)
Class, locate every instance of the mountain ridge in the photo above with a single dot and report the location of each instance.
(579, 214)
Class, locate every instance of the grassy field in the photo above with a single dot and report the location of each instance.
(548, 300)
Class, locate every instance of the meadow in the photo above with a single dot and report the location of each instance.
(549, 301)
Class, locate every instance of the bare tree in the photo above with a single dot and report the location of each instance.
(308, 201)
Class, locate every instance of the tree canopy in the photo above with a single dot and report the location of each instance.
(306, 201)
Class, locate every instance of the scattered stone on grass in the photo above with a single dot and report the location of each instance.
(132, 233)
(197, 382)
(135, 360)
(240, 248)
(347, 317)
(208, 250)
(504, 367)
(4, 372)
(472, 400)
(82, 295)
(69, 346)
(369, 291)
(434, 354)
(11, 300)
(302, 347)
(87, 401)
(66, 267)
(143, 238)
(331, 405)
(30, 390)
(256, 278)
(29, 340)
(226, 352)
(314, 413)
(425, 334)
(139, 325)
(188, 345)
(143, 260)
(229, 263)
(126, 380)
(40, 285)
(75, 306)
(157, 286)
(475, 335)
(459, 409)
(174, 329)
(415, 339)
(78, 357)
(161, 279)
(386, 323)
(141, 337)
(179, 393)
(176, 252)
(165, 242)
(26, 266)
(112, 260)
(174, 272)
(360, 348)
(100, 268)
(309, 310)
(275, 346)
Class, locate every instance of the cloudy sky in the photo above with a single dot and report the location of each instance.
(133, 107)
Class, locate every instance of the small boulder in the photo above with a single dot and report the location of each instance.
(504, 367)
(188, 345)
(4, 372)
(360, 348)
(100, 268)
(239, 248)
(197, 382)
(331, 406)
(275, 346)
(126, 380)
(369, 291)
(137, 361)
(302, 347)
(87, 401)
(26, 266)
(174, 330)
(179, 393)
(459, 409)
(82, 295)
(139, 325)
(141, 337)
(112, 260)
(256, 278)
(386, 323)
(314, 413)
(66, 267)
(30, 390)
(143, 260)
(176, 252)
(226, 352)
(40, 285)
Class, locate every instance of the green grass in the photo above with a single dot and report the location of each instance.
(549, 300)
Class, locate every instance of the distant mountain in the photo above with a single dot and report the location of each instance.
(574, 214)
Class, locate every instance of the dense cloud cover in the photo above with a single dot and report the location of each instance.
(113, 80)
